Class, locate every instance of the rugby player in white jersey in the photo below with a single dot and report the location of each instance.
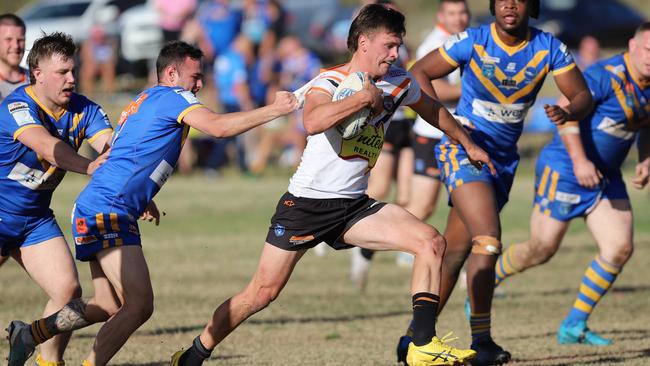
(326, 201)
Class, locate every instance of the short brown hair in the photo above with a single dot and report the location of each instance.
(174, 53)
(12, 19)
(57, 43)
(371, 18)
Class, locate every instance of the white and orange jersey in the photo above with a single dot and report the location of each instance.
(7, 87)
(334, 167)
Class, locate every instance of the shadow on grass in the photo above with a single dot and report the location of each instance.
(586, 359)
(220, 357)
(275, 321)
(618, 335)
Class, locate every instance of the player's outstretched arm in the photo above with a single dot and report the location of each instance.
(321, 113)
(643, 167)
(57, 152)
(584, 170)
(431, 67)
(438, 116)
(579, 101)
(231, 124)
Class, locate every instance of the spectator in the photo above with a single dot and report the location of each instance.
(173, 16)
(588, 52)
(98, 57)
(221, 23)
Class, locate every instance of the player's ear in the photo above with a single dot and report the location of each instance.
(37, 72)
(363, 43)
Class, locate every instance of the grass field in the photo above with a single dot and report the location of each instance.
(208, 244)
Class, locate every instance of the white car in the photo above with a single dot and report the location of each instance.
(74, 17)
(141, 36)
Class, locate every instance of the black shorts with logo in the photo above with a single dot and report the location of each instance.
(398, 136)
(302, 223)
(424, 162)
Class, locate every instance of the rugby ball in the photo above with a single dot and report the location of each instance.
(353, 124)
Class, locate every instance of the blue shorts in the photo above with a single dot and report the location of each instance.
(456, 170)
(94, 232)
(18, 231)
(559, 195)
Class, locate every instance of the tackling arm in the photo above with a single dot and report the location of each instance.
(55, 151)
(231, 124)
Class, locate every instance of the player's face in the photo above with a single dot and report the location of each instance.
(12, 45)
(381, 50)
(511, 14)
(454, 16)
(55, 77)
(640, 54)
(189, 75)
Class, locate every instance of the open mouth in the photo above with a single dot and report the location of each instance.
(510, 18)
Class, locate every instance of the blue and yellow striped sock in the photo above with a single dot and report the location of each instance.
(597, 280)
(480, 324)
(505, 266)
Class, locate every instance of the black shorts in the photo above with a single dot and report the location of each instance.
(302, 223)
(398, 136)
(425, 162)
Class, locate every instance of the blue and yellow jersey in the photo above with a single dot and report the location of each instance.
(500, 82)
(146, 145)
(26, 180)
(621, 108)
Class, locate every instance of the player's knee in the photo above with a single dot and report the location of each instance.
(430, 242)
(541, 252)
(67, 291)
(141, 307)
(486, 245)
(265, 296)
(620, 253)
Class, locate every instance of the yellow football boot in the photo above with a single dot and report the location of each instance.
(437, 352)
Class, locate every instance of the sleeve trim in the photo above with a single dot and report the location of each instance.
(24, 128)
(188, 110)
(447, 58)
(564, 69)
(99, 133)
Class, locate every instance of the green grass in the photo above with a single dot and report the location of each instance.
(208, 244)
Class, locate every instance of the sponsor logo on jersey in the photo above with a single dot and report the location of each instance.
(500, 113)
(16, 106)
(81, 226)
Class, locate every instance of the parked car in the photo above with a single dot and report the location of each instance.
(74, 17)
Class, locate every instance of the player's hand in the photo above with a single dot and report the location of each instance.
(556, 114)
(642, 175)
(151, 213)
(478, 157)
(587, 174)
(285, 102)
(376, 94)
(101, 159)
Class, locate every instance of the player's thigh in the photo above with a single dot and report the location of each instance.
(105, 295)
(424, 194)
(126, 269)
(476, 204)
(546, 233)
(381, 175)
(611, 224)
(275, 266)
(52, 267)
(390, 228)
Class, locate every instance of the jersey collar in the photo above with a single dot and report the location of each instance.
(630, 69)
(56, 116)
(510, 50)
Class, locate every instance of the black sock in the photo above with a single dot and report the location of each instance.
(425, 309)
(367, 253)
(195, 355)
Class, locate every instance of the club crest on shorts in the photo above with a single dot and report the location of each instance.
(279, 230)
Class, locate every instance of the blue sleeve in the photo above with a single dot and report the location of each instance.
(97, 122)
(458, 48)
(18, 116)
(560, 58)
(599, 82)
(176, 103)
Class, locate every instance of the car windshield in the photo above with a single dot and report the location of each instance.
(57, 11)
